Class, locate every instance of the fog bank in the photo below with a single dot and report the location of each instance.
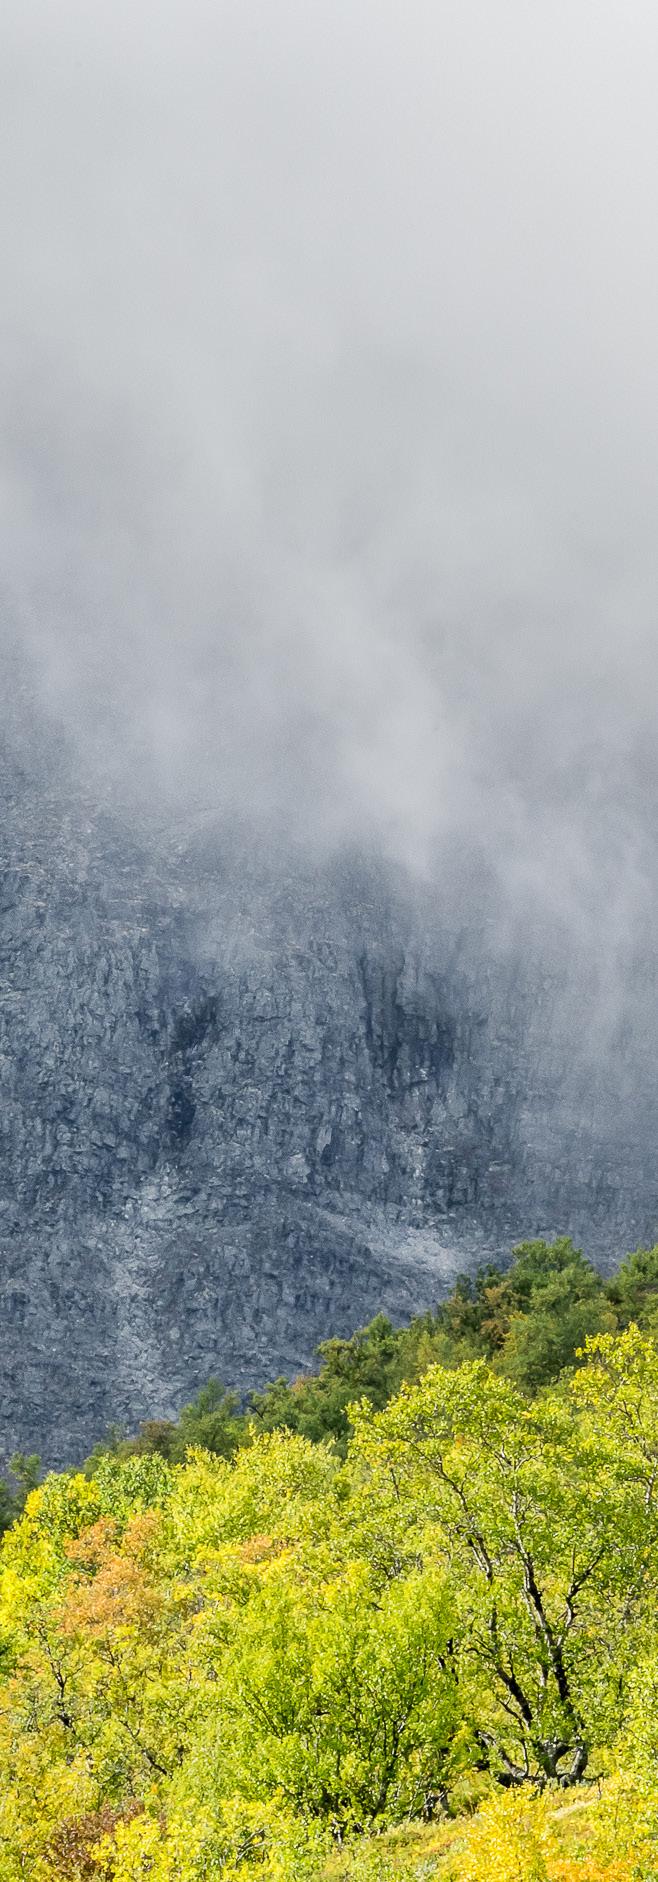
(328, 415)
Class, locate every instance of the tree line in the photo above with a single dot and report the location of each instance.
(527, 1320)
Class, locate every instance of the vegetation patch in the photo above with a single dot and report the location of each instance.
(407, 1629)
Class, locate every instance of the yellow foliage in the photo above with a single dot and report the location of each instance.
(40, 1793)
(507, 1841)
(133, 1851)
(224, 1670)
(259, 1841)
(73, 1851)
(519, 1838)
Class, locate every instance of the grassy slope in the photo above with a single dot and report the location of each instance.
(440, 1851)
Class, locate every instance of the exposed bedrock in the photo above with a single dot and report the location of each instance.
(245, 1104)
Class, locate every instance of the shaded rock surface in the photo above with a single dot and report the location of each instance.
(246, 1102)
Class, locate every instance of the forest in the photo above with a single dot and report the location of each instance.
(395, 1619)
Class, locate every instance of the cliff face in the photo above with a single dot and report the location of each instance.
(245, 1104)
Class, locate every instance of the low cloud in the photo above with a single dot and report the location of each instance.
(329, 412)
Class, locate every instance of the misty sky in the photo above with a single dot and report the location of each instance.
(329, 437)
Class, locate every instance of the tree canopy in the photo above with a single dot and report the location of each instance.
(230, 1648)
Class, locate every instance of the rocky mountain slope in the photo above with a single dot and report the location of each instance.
(246, 1101)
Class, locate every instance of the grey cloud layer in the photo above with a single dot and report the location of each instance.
(329, 478)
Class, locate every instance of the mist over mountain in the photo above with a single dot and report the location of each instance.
(329, 706)
(249, 1097)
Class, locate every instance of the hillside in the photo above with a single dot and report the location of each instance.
(247, 1100)
(424, 1646)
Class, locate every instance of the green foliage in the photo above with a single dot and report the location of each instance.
(267, 1644)
(529, 1320)
(25, 1473)
(538, 1508)
(373, 1362)
(633, 1290)
(10, 1506)
(557, 1301)
(211, 1420)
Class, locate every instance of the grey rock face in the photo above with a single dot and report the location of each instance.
(247, 1103)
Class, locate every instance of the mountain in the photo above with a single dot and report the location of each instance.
(248, 1098)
